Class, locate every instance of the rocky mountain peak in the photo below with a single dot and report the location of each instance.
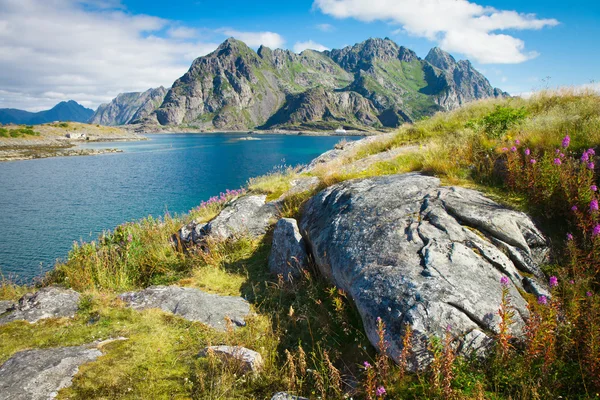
(440, 59)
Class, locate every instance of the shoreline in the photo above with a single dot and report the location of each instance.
(160, 130)
(61, 140)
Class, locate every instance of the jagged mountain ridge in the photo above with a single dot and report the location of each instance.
(375, 84)
(63, 111)
(129, 107)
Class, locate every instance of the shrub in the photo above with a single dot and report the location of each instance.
(496, 123)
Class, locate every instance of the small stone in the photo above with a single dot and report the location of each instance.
(301, 185)
(48, 302)
(191, 304)
(286, 396)
(288, 253)
(249, 360)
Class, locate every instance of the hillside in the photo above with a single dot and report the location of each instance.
(374, 84)
(456, 258)
(129, 107)
(63, 111)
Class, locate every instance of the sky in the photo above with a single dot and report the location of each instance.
(91, 50)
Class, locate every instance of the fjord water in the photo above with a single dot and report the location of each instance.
(49, 203)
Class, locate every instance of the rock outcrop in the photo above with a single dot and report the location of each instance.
(372, 84)
(243, 215)
(191, 304)
(39, 374)
(410, 251)
(6, 305)
(48, 302)
(129, 107)
(288, 253)
(245, 359)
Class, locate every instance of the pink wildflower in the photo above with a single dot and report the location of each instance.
(505, 149)
(566, 141)
(557, 161)
(569, 236)
(504, 281)
(594, 205)
(366, 365)
(591, 165)
(527, 152)
(594, 188)
(596, 230)
(532, 161)
(574, 208)
(588, 294)
(513, 149)
(553, 281)
(543, 300)
(380, 391)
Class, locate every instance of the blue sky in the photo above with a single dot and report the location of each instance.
(90, 50)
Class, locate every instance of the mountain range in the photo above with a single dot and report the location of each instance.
(63, 111)
(370, 85)
(373, 84)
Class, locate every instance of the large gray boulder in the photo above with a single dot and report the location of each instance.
(191, 304)
(288, 253)
(243, 215)
(413, 252)
(48, 302)
(245, 359)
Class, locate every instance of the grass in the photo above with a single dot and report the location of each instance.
(17, 132)
(309, 332)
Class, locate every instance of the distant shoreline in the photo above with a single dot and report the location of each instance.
(179, 130)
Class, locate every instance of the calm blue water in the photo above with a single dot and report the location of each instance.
(49, 203)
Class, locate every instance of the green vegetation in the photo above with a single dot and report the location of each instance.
(17, 132)
(308, 331)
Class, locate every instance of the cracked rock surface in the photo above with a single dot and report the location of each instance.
(48, 302)
(413, 252)
(39, 374)
(191, 304)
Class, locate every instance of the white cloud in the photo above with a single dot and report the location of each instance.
(325, 27)
(182, 32)
(255, 39)
(458, 25)
(88, 51)
(299, 47)
(91, 50)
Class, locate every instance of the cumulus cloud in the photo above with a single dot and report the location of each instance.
(255, 39)
(299, 47)
(457, 25)
(90, 51)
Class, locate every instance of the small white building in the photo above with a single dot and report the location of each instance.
(76, 135)
(340, 131)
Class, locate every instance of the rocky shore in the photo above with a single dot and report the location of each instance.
(60, 140)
